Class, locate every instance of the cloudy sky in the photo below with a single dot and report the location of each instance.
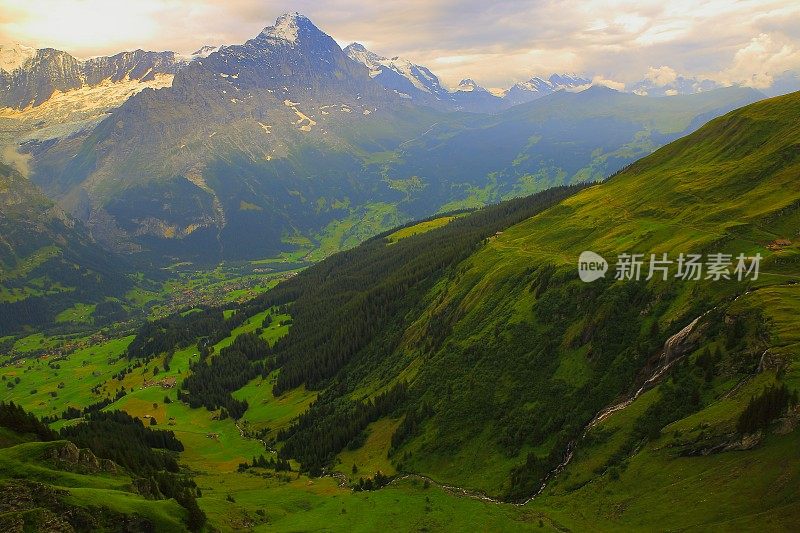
(494, 42)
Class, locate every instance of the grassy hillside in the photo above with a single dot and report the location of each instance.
(46, 488)
(262, 499)
(730, 187)
(508, 356)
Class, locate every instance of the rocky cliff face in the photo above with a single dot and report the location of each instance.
(278, 122)
(403, 77)
(28, 77)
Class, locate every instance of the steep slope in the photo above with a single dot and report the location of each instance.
(47, 262)
(491, 370)
(572, 347)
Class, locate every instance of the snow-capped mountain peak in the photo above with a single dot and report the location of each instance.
(537, 87)
(567, 80)
(417, 82)
(358, 52)
(15, 57)
(468, 85)
(534, 84)
(289, 28)
(396, 73)
(553, 83)
(205, 51)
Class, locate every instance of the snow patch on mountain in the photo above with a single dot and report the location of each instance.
(67, 112)
(15, 57)
(418, 76)
(304, 122)
(287, 28)
(205, 51)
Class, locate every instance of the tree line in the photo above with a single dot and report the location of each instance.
(332, 422)
(212, 380)
(761, 410)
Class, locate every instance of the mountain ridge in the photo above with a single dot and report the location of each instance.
(46, 71)
(48, 262)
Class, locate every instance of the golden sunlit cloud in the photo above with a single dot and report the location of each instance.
(85, 25)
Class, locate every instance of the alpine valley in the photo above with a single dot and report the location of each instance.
(285, 286)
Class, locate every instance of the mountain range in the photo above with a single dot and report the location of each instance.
(418, 83)
(291, 137)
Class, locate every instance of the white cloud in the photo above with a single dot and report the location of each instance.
(611, 84)
(661, 76)
(757, 63)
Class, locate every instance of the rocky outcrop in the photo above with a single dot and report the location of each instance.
(69, 457)
(32, 506)
(790, 422)
(675, 348)
(29, 506)
(771, 361)
(147, 488)
(719, 444)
